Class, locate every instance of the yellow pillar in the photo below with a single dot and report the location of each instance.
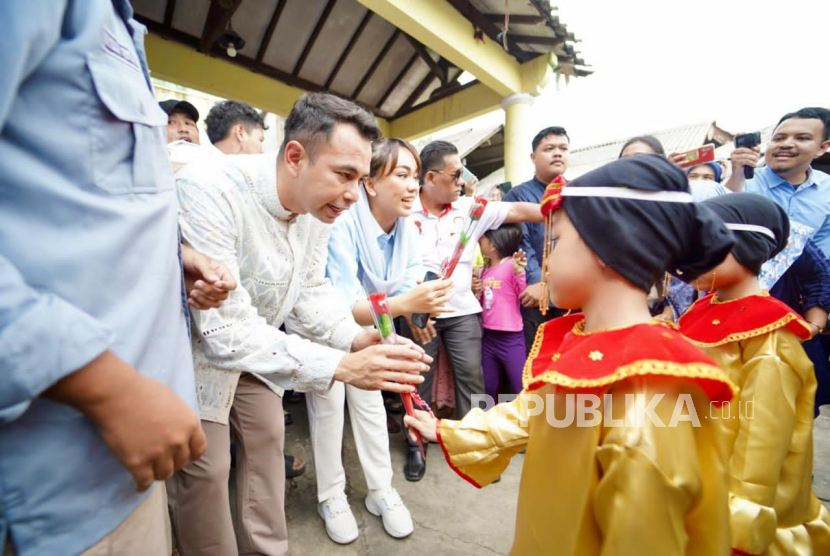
(518, 134)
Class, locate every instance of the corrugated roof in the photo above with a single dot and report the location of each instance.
(466, 140)
(678, 139)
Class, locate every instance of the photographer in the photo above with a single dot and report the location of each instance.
(788, 178)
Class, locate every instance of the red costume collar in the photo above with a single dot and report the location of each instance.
(567, 357)
(710, 323)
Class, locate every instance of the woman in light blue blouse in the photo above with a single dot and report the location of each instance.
(373, 248)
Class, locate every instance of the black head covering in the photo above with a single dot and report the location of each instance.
(643, 239)
(174, 104)
(752, 249)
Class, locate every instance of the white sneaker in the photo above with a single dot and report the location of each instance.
(388, 505)
(340, 522)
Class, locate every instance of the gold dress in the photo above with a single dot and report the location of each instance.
(755, 340)
(627, 487)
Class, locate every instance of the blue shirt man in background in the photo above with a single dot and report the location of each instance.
(788, 177)
(97, 396)
(804, 192)
(550, 157)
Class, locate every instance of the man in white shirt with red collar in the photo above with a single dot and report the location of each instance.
(440, 215)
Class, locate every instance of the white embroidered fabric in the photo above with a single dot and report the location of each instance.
(230, 211)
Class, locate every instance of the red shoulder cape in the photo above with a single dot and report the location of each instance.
(565, 356)
(710, 323)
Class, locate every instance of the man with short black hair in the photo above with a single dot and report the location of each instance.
(235, 128)
(265, 217)
(804, 192)
(181, 121)
(788, 177)
(550, 156)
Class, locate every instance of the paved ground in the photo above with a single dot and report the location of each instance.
(451, 517)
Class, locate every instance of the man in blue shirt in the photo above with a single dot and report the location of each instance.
(97, 396)
(788, 178)
(550, 157)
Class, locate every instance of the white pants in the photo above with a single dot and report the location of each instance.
(325, 416)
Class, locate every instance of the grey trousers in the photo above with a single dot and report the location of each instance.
(462, 341)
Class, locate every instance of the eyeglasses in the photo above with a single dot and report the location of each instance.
(455, 175)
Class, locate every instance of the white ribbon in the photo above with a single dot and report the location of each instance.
(625, 193)
(751, 228)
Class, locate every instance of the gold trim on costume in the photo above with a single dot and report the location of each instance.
(646, 367)
(738, 336)
(579, 328)
(527, 374)
(716, 301)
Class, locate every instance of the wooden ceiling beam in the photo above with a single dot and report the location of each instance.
(516, 18)
(378, 59)
(478, 19)
(250, 63)
(416, 94)
(421, 51)
(318, 27)
(355, 37)
(397, 80)
(544, 41)
(219, 15)
(445, 91)
(168, 13)
(269, 32)
(168, 32)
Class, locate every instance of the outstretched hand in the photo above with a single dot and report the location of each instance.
(424, 423)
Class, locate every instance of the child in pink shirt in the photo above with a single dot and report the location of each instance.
(503, 344)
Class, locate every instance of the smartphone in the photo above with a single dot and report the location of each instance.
(699, 156)
(420, 319)
(748, 140)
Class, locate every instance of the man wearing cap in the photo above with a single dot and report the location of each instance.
(181, 121)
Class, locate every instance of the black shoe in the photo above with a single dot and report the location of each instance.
(415, 466)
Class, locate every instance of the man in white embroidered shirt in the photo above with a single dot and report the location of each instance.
(266, 217)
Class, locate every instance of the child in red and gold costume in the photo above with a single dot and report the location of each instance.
(756, 340)
(622, 484)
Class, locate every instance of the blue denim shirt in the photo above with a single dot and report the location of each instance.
(533, 234)
(809, 203)
(88, 259)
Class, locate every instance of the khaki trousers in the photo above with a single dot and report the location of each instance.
(146, 532)
(199, 492)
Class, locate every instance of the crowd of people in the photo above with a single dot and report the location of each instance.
(156, 309)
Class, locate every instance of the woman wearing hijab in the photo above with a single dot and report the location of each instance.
(756, 339)
(617, 483)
